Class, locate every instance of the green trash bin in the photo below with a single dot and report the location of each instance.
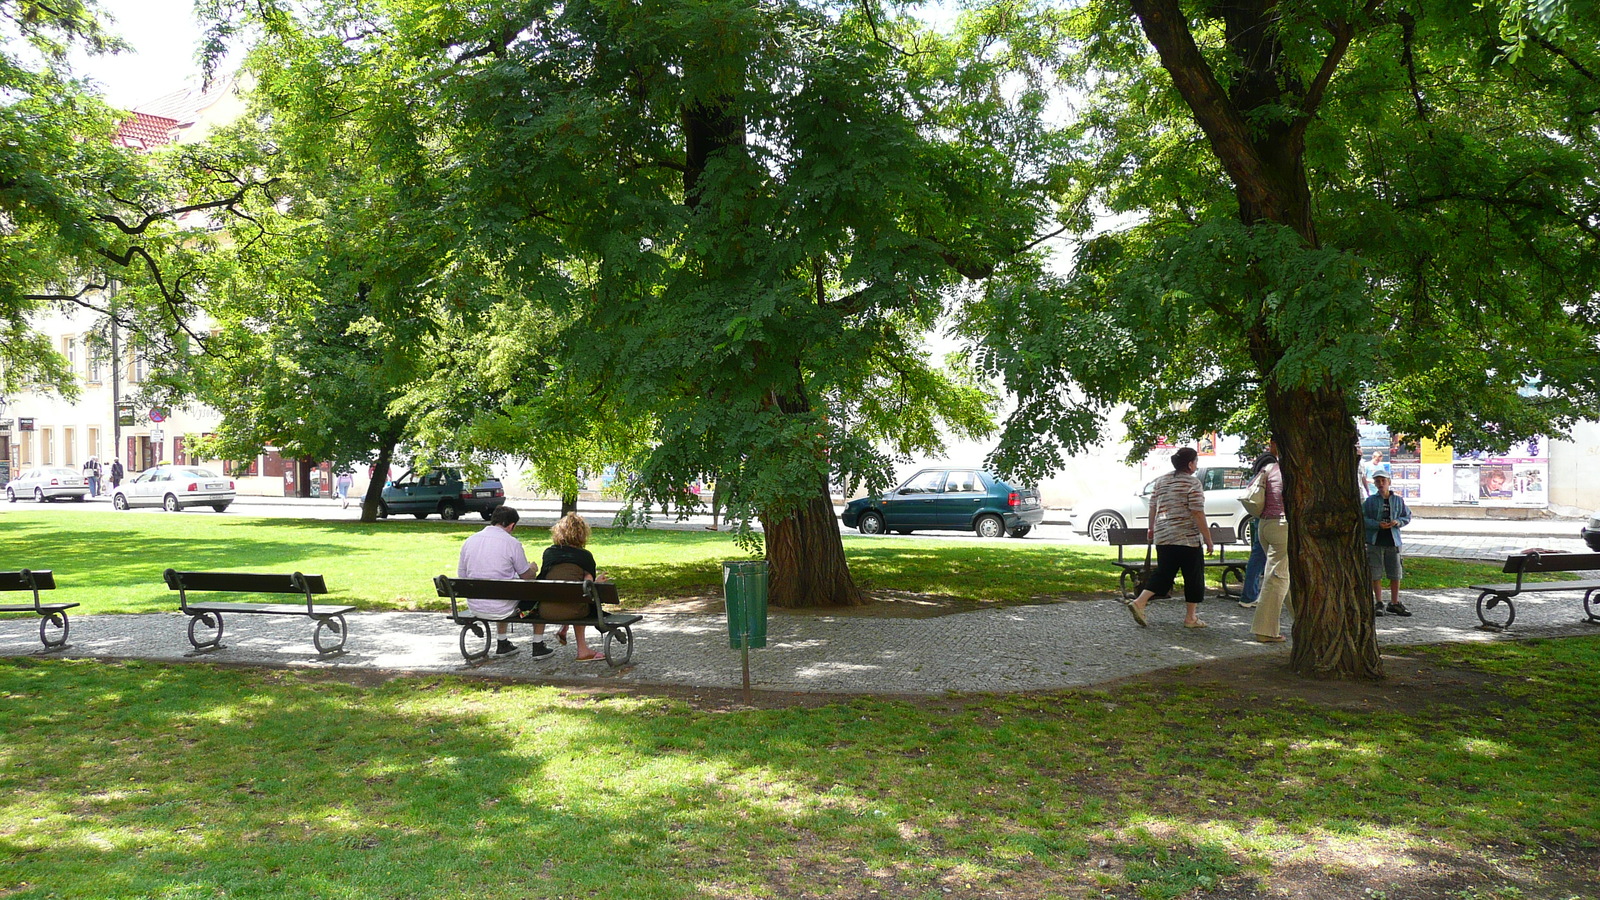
(744, 587)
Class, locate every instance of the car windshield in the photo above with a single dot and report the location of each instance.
(60, 472)
(198, 473)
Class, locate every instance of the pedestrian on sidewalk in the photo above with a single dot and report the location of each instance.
(91, 474)
(1274, 527)
(341, 487)
(1385, 514)
(116, 473)
(1177, 528)
(1250, 588)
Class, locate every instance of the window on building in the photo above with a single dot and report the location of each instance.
(92, 448)
(68, 438)
(47, 447)
(69, 349)
(25, 450)
(96, 363)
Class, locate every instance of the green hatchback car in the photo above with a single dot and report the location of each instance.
(440, 491)
(949, 499)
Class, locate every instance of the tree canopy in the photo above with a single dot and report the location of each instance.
(1333, 209)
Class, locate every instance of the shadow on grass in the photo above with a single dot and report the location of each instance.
(193, 780)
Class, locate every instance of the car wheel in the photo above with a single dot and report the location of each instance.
(119, 501)
(220, 507)
(383, 510)
(1021, 531)
(11, 495)
(448, 511)
(171, 504)
(79, 499)
(38, 495)
(487, 514)
(990, 527)
(1101, 523)
(870, 523)
(1245, 528)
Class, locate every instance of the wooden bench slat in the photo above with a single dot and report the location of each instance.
(1532, 587)
(43, 579)
(245, 582)
(272, 609)
(1551, 562)
(42, 607)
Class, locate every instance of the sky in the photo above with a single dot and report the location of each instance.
(164, 36)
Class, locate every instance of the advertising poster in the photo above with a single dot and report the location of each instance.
(1430, 474)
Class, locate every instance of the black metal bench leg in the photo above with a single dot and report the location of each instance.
(477, 638)
(1487, 601)
(335, 627)
(1591, 606)
(210, 620)
(619, 646)
(54, 620)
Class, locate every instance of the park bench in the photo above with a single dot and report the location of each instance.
(329, 619)
(1531, 563)
(51, 615)
(478, 634)
(1132, 567)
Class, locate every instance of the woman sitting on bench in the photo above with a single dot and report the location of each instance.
(566, 559)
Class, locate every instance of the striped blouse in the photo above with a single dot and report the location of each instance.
(1176, 497)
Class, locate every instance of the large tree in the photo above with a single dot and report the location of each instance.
(1337, 208)
(741, 219)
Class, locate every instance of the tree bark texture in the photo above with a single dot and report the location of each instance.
(1334, 632)
(380, 475)
(1264, 157)
(807, 558)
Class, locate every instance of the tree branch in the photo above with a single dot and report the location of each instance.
(227, 202)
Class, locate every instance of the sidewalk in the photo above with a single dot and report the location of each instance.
(1050, 646)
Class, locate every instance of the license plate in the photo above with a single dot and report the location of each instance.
(215, 487)
(483, 493)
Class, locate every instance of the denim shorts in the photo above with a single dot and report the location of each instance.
(1384, 562)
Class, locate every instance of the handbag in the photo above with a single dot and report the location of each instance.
(1254, 500)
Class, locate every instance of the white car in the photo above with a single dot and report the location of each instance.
(48, 483)
(1223, 486)
(175, 487)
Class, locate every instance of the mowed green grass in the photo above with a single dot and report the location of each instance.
(144, 780)
(113, 562)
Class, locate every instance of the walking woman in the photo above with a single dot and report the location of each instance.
(1177, 529)
(1274, 530)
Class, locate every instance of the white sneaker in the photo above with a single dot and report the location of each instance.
(1245, 605)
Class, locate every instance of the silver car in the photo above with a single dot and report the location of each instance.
(1223, 486)
(48, 483)
(175, 487)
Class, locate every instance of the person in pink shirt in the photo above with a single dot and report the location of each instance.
(1275, 535)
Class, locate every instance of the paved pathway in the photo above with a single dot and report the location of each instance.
(1024, 648)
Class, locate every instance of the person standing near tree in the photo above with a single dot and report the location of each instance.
(1250, 588)
(1177, 529)
(1385, 514)
(1274, 528)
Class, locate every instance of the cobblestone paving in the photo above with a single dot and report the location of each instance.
(1028, 648)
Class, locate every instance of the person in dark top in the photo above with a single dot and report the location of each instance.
(568, 559)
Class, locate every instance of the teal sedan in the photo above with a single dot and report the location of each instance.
(949, 499)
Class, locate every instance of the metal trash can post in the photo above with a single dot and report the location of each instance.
(744, 590)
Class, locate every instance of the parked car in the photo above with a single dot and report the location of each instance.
(1591, 533)
(1223, 486)
(957, 499)
(48, 483)
(440, 491)
(175, 488)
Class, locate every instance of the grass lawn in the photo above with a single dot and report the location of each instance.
(113, 563)
(143, 780)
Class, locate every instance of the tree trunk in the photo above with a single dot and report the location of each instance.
(807, 558)
(380, 474)
(1334, 634)
(569, 503)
